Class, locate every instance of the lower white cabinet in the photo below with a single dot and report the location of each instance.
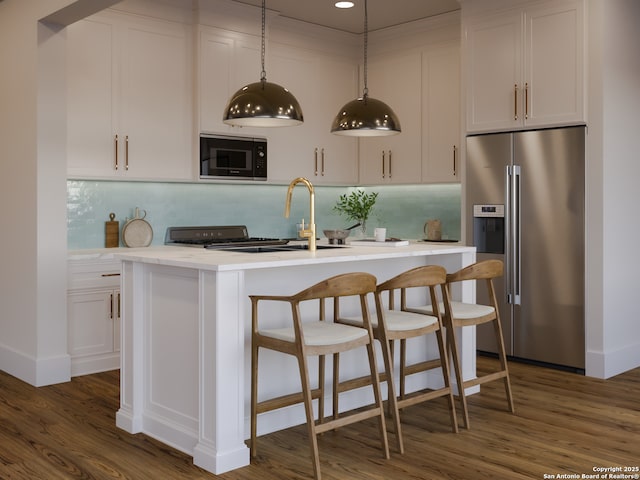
(93, 316)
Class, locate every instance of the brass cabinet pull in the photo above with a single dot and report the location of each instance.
(126, 152)
(383, 155)
(515, 102)
(118, 305)
(455, 172)
(315, 161)
(526, 100)
(322, 161)
(389, 163)
(111, 307)
(116, 150)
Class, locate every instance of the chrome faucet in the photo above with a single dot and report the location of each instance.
(310, 232)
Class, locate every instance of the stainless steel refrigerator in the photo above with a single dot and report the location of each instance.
(525, 199)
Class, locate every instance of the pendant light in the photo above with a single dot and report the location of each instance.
(366, 116)
(263, 104)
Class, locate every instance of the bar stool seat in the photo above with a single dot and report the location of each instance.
(318, 333)
(400, 321)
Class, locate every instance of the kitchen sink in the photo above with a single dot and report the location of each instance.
(279, 248)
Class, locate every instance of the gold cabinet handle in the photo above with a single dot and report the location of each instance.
(315, 161)
(118, 305)
(526, 100)
(515, 102)
(455, 170)
(383, 155)
(322, 161)
(126, 152)
(116, 150)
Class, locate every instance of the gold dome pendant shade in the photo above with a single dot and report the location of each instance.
(366, 116)
(263, 104)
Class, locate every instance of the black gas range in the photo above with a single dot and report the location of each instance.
(217, 237)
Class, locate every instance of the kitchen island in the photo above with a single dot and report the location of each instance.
(186, 336)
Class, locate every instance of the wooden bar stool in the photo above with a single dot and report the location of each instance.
(459, 314)
(391, 324)
(302, 339)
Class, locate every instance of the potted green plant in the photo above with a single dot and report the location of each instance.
(357, 206)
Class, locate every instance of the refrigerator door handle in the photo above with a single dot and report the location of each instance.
(517, 257)
(512, 232)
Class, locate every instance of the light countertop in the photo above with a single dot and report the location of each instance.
(221, 260)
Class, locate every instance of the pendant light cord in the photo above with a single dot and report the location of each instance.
(365, 92)
(263, 73)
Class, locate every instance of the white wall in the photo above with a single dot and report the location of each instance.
(33, 326)
(613, 326)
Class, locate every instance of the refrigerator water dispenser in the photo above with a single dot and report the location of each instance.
(488, 228)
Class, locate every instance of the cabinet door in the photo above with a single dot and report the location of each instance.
(395, 80)
(553, 66)
(493, 52)
(338, 156)
(156, 101)
(90, 107)
(441, 115)
(91, 323)
(227, 62)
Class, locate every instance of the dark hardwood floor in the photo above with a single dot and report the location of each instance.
(565, 424)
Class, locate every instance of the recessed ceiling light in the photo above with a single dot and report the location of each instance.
(344, 4)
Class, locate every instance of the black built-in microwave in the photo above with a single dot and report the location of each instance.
(233, 158)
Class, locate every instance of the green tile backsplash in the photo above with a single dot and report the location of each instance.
(402, 209)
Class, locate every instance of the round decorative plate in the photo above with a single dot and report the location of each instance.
(137, 233)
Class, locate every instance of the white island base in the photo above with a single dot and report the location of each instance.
(186, 337)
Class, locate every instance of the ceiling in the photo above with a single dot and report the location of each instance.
(381, 13)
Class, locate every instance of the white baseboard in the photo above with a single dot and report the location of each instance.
(35, 371)
(607, 364)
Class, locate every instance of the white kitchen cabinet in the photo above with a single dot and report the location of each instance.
(129, 98)
(93, 316)
(227, 62)
(321, 85)
(525, 66)
(395, 80)
(441, 114)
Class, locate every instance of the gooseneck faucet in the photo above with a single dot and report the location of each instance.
(310, 232)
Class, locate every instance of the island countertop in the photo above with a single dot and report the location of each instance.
(227, 260)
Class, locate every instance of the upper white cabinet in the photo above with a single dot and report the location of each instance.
(321, 84)
(441, 114)
(423, 88)
(129, 98)
(525, 66)
(227, 62)
(396, 80)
